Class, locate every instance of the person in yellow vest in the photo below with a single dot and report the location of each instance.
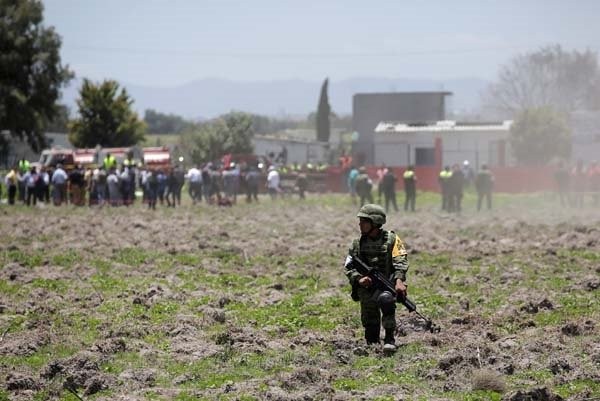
(24, 168)
(410, 188)
(444, 180)
(109, 162)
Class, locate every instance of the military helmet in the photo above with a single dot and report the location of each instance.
(373, 212)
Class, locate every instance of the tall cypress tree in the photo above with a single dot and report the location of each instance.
(323, 112)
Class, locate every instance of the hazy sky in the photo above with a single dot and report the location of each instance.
(165, 43)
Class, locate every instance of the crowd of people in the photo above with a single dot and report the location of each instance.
(574, 183)
(452, 183)
(124, 184)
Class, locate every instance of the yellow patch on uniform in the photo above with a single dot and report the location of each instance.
(398, 249)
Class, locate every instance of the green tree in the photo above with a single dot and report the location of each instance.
(323, 114)
(60, 122)
(540, 134)
(549, 77)
(343, 122)
(105, 117)
(161, 123)
(266, 125)
(230, 133)
(31, 73)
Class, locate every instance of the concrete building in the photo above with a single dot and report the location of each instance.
(369, 109)
(298, 151)
(300, 144)
(442, 143)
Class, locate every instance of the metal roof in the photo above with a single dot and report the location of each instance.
(442, 126)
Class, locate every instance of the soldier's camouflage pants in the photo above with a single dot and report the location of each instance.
(372, 313)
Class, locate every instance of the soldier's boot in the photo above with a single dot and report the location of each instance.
(389, 343)
(372, 334)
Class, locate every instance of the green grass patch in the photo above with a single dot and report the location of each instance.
(575, 387)
(10, 288)
(66, 258)
(187, 259)
(572, 306)
(478, 395)
(58, 286)
(40, 358)
(23, 258)
(108, 284)
(160, 312)
(123, 361)
(289, 315)
(347, 384)
(134, 257)
(102, 265)
(539, 376)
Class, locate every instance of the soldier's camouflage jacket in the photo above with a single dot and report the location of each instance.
(386, 253)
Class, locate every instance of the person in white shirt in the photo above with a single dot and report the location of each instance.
(59, 184)
(194, 177)
(273, 182)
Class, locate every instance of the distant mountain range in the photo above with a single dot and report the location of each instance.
(209, 98)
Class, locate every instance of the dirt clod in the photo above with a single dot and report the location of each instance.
(17, 382)
(536, 394)
(571, 329)
(486, 379)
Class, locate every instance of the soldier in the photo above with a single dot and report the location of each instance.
(410, 188)
(384, 251)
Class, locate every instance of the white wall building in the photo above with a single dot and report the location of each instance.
(301, 145)
(401, 144)
(298, 151)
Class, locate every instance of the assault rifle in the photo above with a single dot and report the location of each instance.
(384, 284)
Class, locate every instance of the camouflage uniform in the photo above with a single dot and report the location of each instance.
(387, 254)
